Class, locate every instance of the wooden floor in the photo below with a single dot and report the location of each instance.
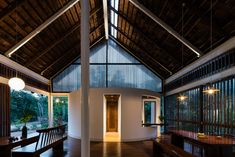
(72, 148)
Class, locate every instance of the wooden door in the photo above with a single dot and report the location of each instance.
(112, 116)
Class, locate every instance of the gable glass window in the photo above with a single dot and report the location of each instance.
(149, 112)
(28, 108)
(110, 66)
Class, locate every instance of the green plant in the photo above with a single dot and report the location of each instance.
(161, 118)
(26, 117)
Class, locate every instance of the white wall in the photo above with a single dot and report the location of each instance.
(131, 114)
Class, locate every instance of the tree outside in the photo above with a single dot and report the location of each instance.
(30, 108)
(60, 110)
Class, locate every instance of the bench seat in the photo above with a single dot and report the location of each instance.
(50, 138)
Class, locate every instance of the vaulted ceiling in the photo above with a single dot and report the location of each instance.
(59, 43)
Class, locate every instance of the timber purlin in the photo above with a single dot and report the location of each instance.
(48, 138)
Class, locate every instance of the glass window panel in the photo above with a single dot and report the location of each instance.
(98, 54)
(97, 76)
(149, 112)
(133, 76)
(29, 108)
(126, 73)
(60, 110)
(68, 80)
(78, 61)
(118, 55)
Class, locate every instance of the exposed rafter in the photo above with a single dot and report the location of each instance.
(69, 32)
(106, 27)
(76, 57)
(142, 48)
(129, 50)
(11, 8)
(61, 57)
(67, 52)
(40, 28)
(166, 27)
(152, 41)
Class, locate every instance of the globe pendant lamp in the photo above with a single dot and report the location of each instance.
(16, 83)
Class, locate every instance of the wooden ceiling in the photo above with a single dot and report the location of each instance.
(59, 44)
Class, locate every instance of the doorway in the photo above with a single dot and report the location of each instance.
(112, 113)
(112, 117)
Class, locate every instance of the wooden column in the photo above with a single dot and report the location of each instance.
(85, 51)
(4, 110)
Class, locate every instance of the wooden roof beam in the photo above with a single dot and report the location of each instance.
(41, 27)
(106, 26)
(142, 48)
(135, 27)
(69, 32)
(166, 27)
(68, 51)
(11, 8)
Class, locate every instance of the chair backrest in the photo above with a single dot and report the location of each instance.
(49, 135)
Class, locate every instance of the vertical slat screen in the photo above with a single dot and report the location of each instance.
(4, 110)
(218, 109)
(219, 112)
(183, 114)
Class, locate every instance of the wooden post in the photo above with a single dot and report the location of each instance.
(85, 51)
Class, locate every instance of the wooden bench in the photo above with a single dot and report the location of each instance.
(48, 138)
(163, 148)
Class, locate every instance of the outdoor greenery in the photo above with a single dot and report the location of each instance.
(30, 108)
(60, 110)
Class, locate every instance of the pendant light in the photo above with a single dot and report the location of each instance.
(182, 97)
(15, 82)
(211, 90)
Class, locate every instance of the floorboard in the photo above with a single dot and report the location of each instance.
(72, 148)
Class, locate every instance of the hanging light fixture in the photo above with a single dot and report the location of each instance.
(182, 97)
(211, 90)
(15, 82)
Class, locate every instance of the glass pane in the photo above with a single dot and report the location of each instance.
(29, 108)
(60, 110)
(68, 80)
(98, 54)
(133, 76)
(127, 72)
(117, 55)
(97, 76)
(149, 112)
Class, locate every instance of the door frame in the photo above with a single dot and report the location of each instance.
(105, 113)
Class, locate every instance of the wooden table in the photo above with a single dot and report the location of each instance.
(213, 146)
(6, 146)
